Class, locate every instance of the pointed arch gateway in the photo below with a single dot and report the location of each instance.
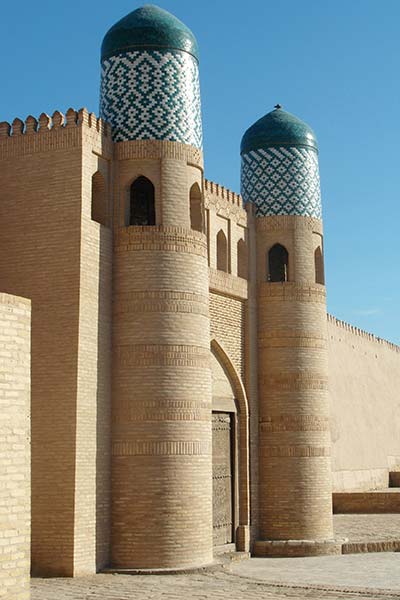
(236, 420)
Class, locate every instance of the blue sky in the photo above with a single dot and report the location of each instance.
(334, 64)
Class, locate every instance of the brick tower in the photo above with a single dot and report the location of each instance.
(161, 439)
(280, 177)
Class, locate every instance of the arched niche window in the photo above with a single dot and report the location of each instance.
(278, 263)
(142, 208)
(222, 251)
(99, 199)
(196, 212)
(242, 259)
(319, 266)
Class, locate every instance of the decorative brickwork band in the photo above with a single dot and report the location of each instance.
(291, 291)
(158, 149)
(152, 94)
(288, 223)
(161, 301)
(131, 414)
(295, 381)
(295, 451)
(161, 448)
(172, 239)
(294, 423)
(163, 355)
(292, 341)
(282, 181)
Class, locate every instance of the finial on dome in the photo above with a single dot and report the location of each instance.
(278, 106)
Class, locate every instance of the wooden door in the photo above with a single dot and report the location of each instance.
(222, 478)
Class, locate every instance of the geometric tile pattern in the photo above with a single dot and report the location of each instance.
(152, 94)
(282, 181)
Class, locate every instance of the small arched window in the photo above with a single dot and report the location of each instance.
(196, 213)
(99, 199)
(222, 251)
(278, 263)
(319, 266)
(142, 209)
(242, 259)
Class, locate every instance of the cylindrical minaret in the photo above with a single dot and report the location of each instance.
(161, 441)
(280, 176)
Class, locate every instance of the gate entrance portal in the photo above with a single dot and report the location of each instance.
(222, 478)
(224, 450)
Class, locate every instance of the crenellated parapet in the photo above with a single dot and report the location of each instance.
(45, 123)
(53, 132)
(362, 333)
(220, 191)
(224, 202)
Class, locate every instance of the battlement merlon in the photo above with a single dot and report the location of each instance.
(222, 192)
(225, 203)
(362, 333)
(56, 132)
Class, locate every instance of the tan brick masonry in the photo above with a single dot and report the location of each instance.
(161, 442)
(14, 447)
(294, 446)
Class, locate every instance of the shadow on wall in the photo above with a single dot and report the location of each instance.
(103, 402)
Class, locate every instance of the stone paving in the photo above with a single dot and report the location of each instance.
(374, 573)
(352, 576)
(362, 528)
(329, 577)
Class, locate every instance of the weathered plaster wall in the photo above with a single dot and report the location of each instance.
(364, 395)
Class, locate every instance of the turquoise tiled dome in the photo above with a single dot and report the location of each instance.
(148, 27)
(279, 171)
(150, 87)
(278, 129)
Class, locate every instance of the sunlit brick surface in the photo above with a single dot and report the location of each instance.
(15, 314)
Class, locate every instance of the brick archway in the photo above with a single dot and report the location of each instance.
(242, 535)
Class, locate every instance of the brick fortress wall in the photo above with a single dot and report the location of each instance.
(364, 381)
(52, 253)
(14, 447)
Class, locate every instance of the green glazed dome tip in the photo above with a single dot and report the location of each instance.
(278, 128)
(148, 27)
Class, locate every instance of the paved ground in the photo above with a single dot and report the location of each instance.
(373, 572)
(361, 528)
(352, 576)
(358, 576)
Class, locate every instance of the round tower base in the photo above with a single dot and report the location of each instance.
(297, 548)
(215, 565)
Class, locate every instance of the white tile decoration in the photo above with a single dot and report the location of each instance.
(282, 181)
(152, 94)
